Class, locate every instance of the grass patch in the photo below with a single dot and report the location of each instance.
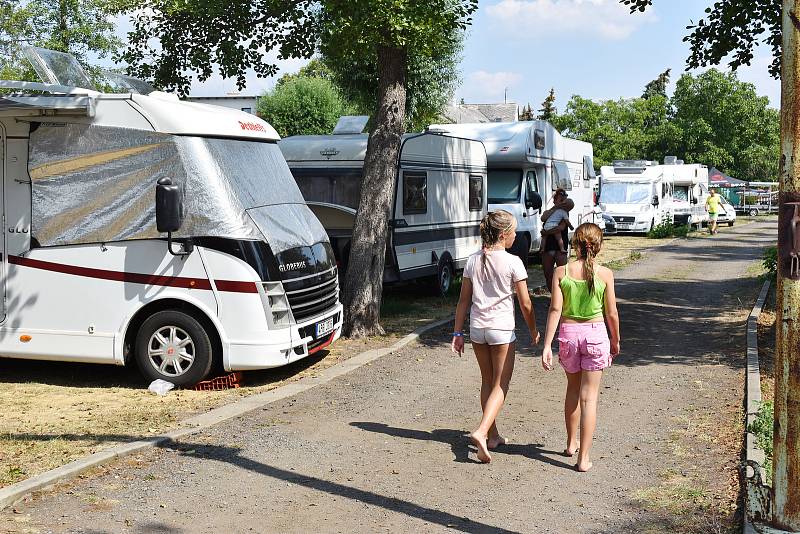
(621, 263)
(762, 428)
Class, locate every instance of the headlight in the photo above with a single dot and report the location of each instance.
(277, 304)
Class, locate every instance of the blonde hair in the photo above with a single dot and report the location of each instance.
(493, 225)
(587, 240)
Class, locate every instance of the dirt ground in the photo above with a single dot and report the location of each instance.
(383, 448)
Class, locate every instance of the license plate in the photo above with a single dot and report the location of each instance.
(325, 327)
(623, 226)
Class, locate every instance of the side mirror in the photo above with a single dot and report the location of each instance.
(533, 201)
(169, 213)
(694, 200)
(169, 206)
(655, 200)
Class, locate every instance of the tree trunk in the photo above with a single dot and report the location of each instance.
(786, 453)
(364, 278)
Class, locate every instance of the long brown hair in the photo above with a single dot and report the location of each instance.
(493, 225)
(587, 240)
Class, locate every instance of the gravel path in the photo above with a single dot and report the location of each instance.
(384, 448)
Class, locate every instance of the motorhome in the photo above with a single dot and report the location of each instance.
(140, 228)
(528, 160)
(636, 193)
(439, 199)
(689, 191)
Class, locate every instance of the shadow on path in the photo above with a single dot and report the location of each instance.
(459, 443)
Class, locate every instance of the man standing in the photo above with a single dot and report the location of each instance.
(712, 207)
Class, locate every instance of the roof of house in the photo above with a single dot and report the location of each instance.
(472, 113)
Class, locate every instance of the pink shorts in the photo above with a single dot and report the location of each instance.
(583, 346)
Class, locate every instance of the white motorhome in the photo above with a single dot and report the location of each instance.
(528, 160)
(139, 228)
(636, 193)
(439, 199)
(689, 193)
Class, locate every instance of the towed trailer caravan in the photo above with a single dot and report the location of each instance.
(439, 200)
(142, 228)
(528, 160)
(636, 193)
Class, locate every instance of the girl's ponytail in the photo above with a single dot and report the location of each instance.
(493, 225)
(587, 241)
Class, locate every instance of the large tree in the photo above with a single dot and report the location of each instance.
(78, 27)
(170, 40)
(548, 111)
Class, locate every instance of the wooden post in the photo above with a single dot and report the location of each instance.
(786, 459)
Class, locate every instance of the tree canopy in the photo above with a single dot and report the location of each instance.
(78, 27)
(548, 110)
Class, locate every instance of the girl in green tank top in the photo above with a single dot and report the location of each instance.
(584, 302)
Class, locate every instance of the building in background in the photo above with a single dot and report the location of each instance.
(232, 100)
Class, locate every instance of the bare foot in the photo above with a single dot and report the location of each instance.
(570, 451)
(583, 467)
(496, 441)
(480, 443)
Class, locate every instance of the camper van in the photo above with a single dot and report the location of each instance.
(689, 191)
(439, 199)
(143, 229)
(528, 160)
(636, 193)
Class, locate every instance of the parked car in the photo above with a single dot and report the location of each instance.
(611, 225)
(728, 213)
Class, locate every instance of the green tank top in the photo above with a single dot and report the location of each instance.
(579, 304)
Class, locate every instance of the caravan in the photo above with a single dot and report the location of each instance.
(636, 193)
(143, 229)
(439, 199)
(689, 193)
(527, 161)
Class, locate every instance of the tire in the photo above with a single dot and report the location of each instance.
(522, 248)
(730, 223)
(443, 281)
(169, 330)
(752, 212)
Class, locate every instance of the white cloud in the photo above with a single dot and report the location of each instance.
(489, 87)
(607, 19)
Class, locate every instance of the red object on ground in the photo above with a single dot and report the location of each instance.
(231, 380)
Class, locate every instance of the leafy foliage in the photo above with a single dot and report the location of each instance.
(303, 106)
(731, 27)
(526, 114)
(763, 428)
(657, 87)
(663, 229)
(770, 262)
(77, 27)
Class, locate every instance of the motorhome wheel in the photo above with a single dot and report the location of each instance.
(173, 346)
(521, 248)
(753, 212)
(730, 223)
(444, 278)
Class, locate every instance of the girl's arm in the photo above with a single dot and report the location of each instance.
(464, 301)
(553, 317)
(525, 304)
(611, 315)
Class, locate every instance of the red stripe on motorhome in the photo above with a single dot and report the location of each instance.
(231, 286)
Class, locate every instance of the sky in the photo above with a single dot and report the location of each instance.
(519, 49)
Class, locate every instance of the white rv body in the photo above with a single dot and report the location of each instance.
(529, 158)
(439, 198)
(636, 193)
(86, 300)
(690, 191)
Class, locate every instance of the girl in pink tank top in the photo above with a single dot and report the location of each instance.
(492, 277)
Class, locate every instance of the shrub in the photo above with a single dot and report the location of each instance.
(770, 261)
(762, 428)
(663, 229)
(682, 230)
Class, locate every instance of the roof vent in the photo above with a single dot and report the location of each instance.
(351, 124)
(670, 160)
(679, 162)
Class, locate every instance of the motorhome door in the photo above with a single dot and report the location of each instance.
(3, 260)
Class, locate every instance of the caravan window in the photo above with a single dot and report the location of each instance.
(332, 186)
(475, 193)
(588, 171)
(415, 193)
(561, 177)
(504, 185)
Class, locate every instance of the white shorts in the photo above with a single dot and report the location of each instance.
(491, 336)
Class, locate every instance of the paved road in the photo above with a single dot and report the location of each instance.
(384, 448)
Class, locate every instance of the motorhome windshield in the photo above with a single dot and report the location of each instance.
(504, 185)
(93, 184)
(624, 193)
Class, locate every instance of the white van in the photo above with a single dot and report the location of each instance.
(230, 269)
(528, 160)
(439, 199)
(689, 191)
(636, 193)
